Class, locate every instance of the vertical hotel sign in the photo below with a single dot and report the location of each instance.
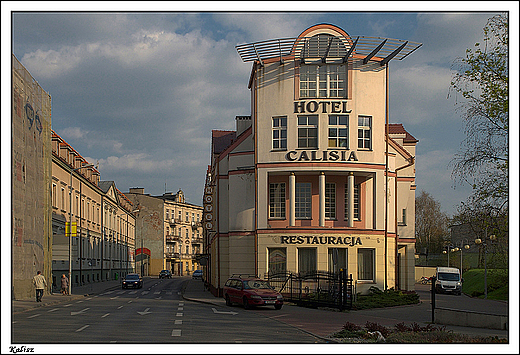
(209, 210)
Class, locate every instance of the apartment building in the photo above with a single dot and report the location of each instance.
(97, 215)
(169, 233)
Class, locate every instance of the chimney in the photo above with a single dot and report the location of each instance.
(137, 190)
(242, 123)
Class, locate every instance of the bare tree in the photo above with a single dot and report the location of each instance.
(431, 224)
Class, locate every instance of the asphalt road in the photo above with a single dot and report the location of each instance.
(155, 314)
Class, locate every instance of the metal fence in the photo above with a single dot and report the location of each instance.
(317, 289)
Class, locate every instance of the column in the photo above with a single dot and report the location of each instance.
(292, 200)
(350, 182)
(322, 199)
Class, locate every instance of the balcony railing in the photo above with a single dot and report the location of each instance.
(196, 225)
(197, 240)
(172, 238)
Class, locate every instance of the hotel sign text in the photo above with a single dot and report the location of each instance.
(326, 107)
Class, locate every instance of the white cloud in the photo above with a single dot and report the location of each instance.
(70, 133)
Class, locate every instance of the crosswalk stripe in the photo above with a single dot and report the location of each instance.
(176, 333)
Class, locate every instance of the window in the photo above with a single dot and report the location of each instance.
(330, 200)
(403, 218)
(337, 259)
(63, 198)
(279, 133)
(303, 200)
(187, 217)
(366, 264)
(338, 131)
(167, 214)
(364, 132)
(308, 131)
(277, 200)
(322, 81)
(356, 202)
(277, 260)
(306, 261)
(54, 196)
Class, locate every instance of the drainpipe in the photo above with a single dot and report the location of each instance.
(386, 180)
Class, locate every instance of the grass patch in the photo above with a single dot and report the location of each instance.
(389, 298)
(497, 280)
(402, 333)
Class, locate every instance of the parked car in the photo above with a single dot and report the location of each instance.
(251, 291)
(197, 274)
(165, 274)
(132, 280)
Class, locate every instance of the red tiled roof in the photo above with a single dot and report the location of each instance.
(397, 128)
(221, 140)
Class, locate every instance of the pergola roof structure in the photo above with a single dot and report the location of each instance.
(327, 48)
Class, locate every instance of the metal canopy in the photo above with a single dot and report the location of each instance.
(321, 47)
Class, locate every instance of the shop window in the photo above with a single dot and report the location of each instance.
(322, 81)
(364, 132)
(280, 133)
(338, 131)
(366, 264)
(303, 200)
(277, 200)
(307, 261)
(338, 259)
(330, 200)
(277, 261)
(356, 202)
(308, 131)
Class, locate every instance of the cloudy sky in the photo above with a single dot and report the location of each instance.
(140, 92)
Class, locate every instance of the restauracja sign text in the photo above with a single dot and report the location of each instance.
(350, 241)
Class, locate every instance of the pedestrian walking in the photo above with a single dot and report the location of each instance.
(64, 285)
(40, 283)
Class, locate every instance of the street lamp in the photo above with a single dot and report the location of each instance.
(70, 224)
(484, 244)
(449, 248)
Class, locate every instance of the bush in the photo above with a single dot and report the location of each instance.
(389, 298)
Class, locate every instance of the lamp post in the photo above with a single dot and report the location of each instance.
(70, 224)
(484, 244)
(449, 248)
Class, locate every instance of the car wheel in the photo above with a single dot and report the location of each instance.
(246, 303)
(277, 306)
(228, 301)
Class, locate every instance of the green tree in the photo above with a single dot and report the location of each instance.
(481, 81)
(431, 224)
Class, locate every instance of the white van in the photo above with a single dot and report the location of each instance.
(448, 280)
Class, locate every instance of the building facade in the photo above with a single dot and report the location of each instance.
(103, 225)
(169, 233)
(31, 238)
(316, 179)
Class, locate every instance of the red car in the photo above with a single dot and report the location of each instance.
(251, 291)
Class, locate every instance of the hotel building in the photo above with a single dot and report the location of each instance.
(316, 178)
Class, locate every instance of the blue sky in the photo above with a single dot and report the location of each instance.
(141, 92)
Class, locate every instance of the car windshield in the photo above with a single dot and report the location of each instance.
(256, 284)
(444, 276)
(132, 277)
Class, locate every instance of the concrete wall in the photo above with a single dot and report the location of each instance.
(31, 238)
(448, 316)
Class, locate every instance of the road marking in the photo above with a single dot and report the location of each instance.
(79, 301)
(169, 292)
(145, 312)
(180, 308)
(14, 322)
(86, 299)
(220, 312)
(181, 304)
(113, 298)
(96, 296)
(79, 312)
(132, 292)
(121, 292)
(119, 307)
(178, 321)
(129, 301)
(176, 333)
(105, 315)
(144, 292)
(108, 292)
(52, 310)
(68, 305)
(84, 327)
(36, 315)
(178, 315)
(113, 341)
(157, 293)
(158, 298)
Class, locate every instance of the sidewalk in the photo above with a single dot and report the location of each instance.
(78, 292)
(322, 323)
